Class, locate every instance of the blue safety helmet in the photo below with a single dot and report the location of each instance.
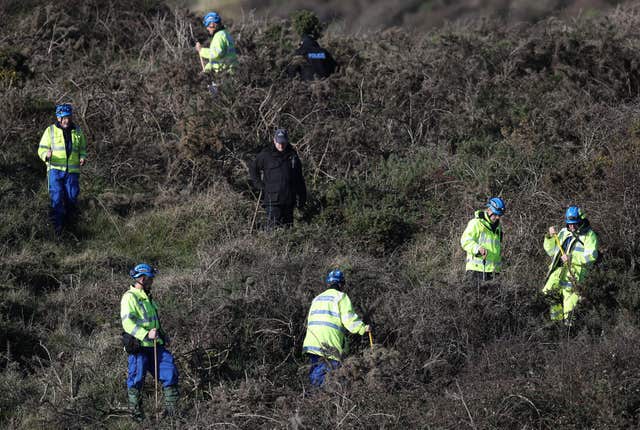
(496, 204)
(335, 277)
(142, 269)
(64, 110)
(573, 215)
(211, 17)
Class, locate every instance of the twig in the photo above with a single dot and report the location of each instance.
(529, 402)
(109, 216)
(473, 425)
(255, 212)
(257, 416)
(346, 415)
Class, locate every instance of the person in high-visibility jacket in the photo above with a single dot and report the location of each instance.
(331, 315)
(221, 54)
(142, 334)
(63, 147)
(569, 266)
(482, 240)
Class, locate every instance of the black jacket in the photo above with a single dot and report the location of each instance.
(319, 62)
(279, 176)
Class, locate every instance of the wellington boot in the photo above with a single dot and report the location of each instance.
(171, 397)
(135, 404)
(213, 89)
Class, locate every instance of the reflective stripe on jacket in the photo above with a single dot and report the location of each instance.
(479, 234)
(331, 315)
(582, 249)
(139, 315)
(53, 139)
(221, 53)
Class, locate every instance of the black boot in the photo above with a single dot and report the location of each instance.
(135, 404)
(171, 397)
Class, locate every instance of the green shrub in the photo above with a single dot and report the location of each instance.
(399, 147)
(306, 22)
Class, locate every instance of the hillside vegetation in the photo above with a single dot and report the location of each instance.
(359, 16)
(414, 133)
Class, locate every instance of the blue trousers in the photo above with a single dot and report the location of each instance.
(142, 362)
(320, 366)
(63, 191)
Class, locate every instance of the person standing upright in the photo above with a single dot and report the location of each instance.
(277, 173)
(145, 342)
(221, 53)
(482, 240)
(573, 252)
(63, 147)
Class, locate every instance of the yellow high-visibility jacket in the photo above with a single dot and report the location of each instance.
(479, 234)
(139, 315)
(53, 139)
(331, 315)
(582, 249)
(221, 54)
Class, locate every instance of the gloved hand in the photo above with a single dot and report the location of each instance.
(164, 336)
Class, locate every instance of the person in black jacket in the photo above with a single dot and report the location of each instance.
(277, 173)
(311, 61)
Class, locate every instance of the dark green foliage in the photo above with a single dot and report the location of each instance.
(306, 22)
(13, 67)
(399, 148)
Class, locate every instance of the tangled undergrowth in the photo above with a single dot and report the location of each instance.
(412, 134)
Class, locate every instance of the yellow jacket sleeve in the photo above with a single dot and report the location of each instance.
(469, 238)
(45, 144)
(550, 246)
(82, 147)
(350, 320)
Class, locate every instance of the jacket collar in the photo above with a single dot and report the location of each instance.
(287, 150)
(309, 43)
(138, 292)
(72, 126)
(484, 220)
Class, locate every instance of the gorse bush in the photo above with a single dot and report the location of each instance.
(306, 22)
(399, 147)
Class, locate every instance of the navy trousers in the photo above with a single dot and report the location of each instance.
(64, 188)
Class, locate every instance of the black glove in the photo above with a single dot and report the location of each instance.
(164, 336)
(130, 343)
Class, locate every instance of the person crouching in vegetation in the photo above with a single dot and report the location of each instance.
(63, 147)
(330, 316)
(277, 173)
(573, 252)
(310, 60)
(145, 342)
(221, 55)
(482, 240)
